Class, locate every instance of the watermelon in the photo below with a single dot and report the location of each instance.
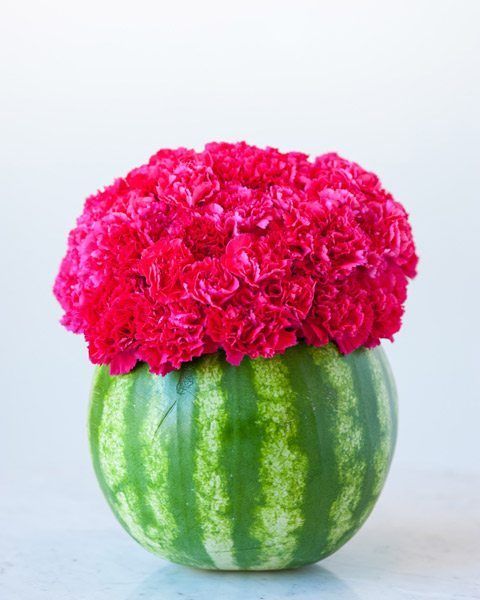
(271, 464)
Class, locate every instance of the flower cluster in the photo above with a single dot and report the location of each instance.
(235, 248)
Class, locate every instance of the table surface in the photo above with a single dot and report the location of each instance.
(59, 541)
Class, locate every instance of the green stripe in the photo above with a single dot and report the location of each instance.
(384, 450)
(282, 466)
(348, 444)
(152, 433)
(113, 463)
(134, 484)
(242, 452)
(146, 452)
(389, 381)
(359, 362)
(180, 388)
(210, 476)
(112, 430)
(315, 401)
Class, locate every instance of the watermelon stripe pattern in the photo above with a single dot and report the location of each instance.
(211, 475)
(271, 464)
(348, 431)
(282, 465)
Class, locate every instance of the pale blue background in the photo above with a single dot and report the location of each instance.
(91, 89)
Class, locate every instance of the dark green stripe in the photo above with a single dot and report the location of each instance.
(392, 394)
(365, 391)
(180, 388)
(242, 451)
(103, 387)
(136, 410)
(315, 399)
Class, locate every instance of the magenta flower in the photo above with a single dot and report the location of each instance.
(235, 248)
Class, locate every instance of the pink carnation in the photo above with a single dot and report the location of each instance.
(235, 248)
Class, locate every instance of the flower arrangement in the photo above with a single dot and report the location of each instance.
(237, 248)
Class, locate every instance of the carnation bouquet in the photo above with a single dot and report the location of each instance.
(243, 415)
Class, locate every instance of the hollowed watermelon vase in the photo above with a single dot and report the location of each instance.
(272, 464)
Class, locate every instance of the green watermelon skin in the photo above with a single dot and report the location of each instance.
(273, 464)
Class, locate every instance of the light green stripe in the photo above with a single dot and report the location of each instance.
(111, 437)
(382, 454)
(112, 431)
(348, 442)
(210, 477)
(156, 466)
(283, 466)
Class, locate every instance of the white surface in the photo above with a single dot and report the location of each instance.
(59, 542)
